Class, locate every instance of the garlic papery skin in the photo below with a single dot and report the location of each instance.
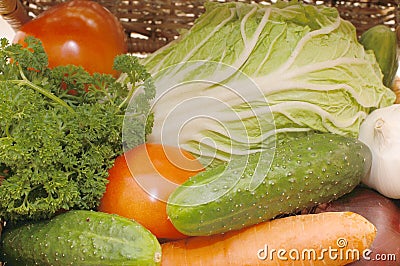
(380, 131)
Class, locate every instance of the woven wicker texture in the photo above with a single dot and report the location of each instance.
(152, 24)
(14, 13)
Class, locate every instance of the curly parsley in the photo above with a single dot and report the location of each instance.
(56, 146)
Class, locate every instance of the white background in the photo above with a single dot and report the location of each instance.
(6, 30)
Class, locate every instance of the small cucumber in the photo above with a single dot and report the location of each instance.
(383, 42)
(305, 171)
(81, 237)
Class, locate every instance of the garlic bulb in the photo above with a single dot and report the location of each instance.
(381, 133)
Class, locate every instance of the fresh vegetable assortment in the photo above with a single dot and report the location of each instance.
(78, 32)
(211, 151)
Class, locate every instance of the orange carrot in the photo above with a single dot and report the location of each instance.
(330, 238)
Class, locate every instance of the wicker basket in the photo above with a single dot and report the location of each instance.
(150, 25)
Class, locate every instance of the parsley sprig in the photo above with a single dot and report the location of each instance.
(62, 128)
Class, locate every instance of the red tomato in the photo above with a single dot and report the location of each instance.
(141, 181)
(78, 32)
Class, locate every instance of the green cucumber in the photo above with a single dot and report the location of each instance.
(305, 171)
(81, 237)
(383, 42)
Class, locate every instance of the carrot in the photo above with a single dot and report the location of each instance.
(330, 238)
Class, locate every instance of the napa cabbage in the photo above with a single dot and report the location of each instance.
(245, 72)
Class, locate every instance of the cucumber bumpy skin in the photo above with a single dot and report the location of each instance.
(81, 237)
(304, 172)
